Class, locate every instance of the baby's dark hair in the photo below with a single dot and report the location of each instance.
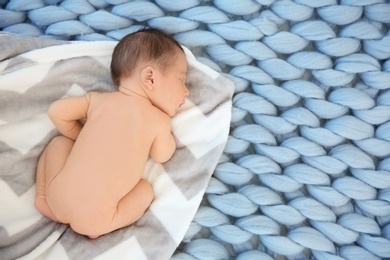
(142, 46)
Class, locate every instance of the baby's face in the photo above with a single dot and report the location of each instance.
(173, 90)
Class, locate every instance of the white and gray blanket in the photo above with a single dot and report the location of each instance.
(34, 73)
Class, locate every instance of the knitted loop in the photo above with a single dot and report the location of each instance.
(285, 42)
(338, 47)
(206, 249)
(243, 7)
(276, 95)
(328, 196)
(310, 60)
(134, 10)
(311, 238)
(352, 156)
(232, 204)
(205, 14)
(362, 30)
(260, 225)
(340, 14)
(276, 125)
(334, 78)
(232, 174)
(259, 164)
(303, 146)
(199, 38)
(321, 136)
(173, 25)
(292, 11)
(254, 104)
(252, 73)
(24, 6)
(256, 50)
(253, 255)
(9, 18)
(262, 196)
(231, 234)
(281, 245)
(283, 214)
(50, 14)
(357, 63)
(236, 31)
(78, 6)
(280, 183)
(313, 209)
(352, 98)
(378, 245)
(374, 146)
(301, 116)
(325, 109)
(254, 134)
(378, 12)
(350, 127)
(356, 252)
(359, 223)
(374, 207)
(68, 28)
(281, 69)
(329, 229)
(177, 6)
(378, 48)
(304, 89)
(114, 21)
(354, 188)
(307, 174)
(228, 55)
(313, 30)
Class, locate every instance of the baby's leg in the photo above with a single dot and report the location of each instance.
(133, 206)
(40, 196)
(129, 209)
(50, 163)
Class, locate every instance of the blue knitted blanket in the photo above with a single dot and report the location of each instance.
(306, 170)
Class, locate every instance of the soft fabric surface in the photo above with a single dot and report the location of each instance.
(305, 174)
(34, 73)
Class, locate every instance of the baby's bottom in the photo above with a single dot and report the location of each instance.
(130, 208)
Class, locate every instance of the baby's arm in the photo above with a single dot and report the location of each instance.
(164, 144)
(65, 113)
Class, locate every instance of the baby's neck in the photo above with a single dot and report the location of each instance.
(132, 92)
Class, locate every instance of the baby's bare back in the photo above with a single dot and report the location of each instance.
(108, 157)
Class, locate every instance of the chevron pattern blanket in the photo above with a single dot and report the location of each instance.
(306, 170)
(36, 72)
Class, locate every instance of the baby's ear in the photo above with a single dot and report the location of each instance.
(148, 75)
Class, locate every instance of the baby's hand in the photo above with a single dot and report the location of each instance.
(164, 144)
(66, 113)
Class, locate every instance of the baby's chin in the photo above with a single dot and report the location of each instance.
(173, 112)
(170, 113)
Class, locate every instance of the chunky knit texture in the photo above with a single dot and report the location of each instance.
(306, 171)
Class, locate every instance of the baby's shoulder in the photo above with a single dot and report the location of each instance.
(159, 118)
(108, 97)
(92, 95)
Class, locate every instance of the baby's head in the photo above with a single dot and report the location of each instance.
(152, 53)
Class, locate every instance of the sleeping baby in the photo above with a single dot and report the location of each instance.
(90, 177)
